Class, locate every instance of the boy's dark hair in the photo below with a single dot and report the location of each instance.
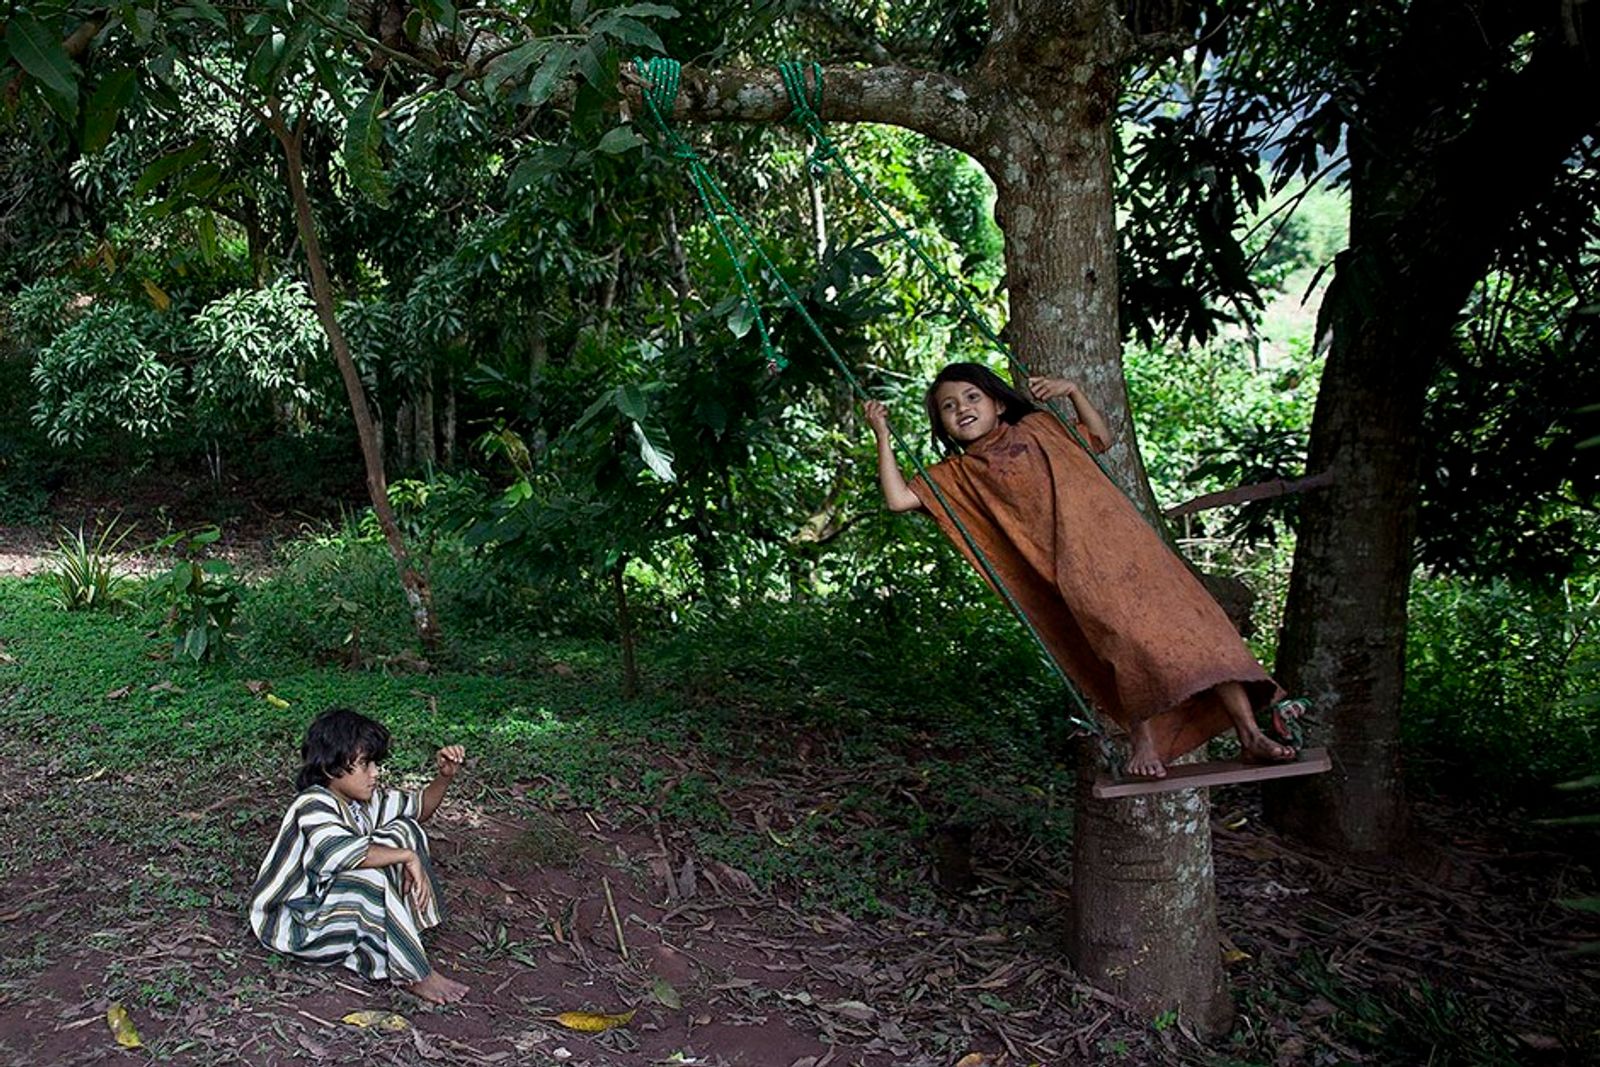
(334, 741)
(995, 387)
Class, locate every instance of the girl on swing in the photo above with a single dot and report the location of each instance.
(1123, 616)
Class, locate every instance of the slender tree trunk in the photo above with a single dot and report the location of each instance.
(405, 435)
(447, 430)
(427, 449)
(625, 634)
(417, 592)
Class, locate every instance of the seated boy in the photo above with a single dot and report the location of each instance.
(348, 878)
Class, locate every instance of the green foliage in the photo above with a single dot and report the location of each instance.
(258, 345)
(202, 596)
(88, 572)
(1500, 684)
(1210, 419)
(114, 369)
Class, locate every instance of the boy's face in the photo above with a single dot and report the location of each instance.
(358, 783)
(966, 412)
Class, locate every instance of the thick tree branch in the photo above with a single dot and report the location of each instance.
(938, 105)
(1243, 494)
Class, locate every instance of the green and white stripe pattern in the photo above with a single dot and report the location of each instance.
(311, 900)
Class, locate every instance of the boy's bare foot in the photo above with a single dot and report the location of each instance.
(1144, 761)
(437, 989)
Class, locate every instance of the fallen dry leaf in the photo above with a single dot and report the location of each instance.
(119, 692)
(974, 1059)
(590, 1022)
(257, 687)
(665, 994)
(122, 1027)
(376, 1020)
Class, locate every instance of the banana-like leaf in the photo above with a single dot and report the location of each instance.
(363, 138)
(110, 97)
(37, 50)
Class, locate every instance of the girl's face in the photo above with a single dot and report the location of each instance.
(965, 411)
(358, 783)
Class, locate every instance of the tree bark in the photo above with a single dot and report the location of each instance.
(1037, 114)
(418, 594)
(1426, 220)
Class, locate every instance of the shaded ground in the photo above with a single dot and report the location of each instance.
(129, 888)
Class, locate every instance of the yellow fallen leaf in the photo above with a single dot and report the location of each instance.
(275, 700)
(592, 1022)
(157, 295)
(376, 1020)
(974, 1059)
(1232, 953)
(122, 1027)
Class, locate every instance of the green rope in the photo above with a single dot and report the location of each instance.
(660, 97)
(660, 105)
(805, 108)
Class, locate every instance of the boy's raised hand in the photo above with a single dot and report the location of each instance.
(449, 759)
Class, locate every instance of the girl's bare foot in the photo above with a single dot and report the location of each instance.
(1144, 761)
(1253, 744)
(437, 989)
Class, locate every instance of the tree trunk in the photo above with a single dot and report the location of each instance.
(426, 449)
(1143, 921)
(447, 429)
(405, 435)
(1343, 641)
(625, 634)
(418, 595)
(1426, 220)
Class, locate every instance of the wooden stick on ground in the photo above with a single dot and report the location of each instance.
(616, 923)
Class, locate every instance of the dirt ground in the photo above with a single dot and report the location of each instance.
(130, 888)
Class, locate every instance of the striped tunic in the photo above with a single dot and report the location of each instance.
(313, 902)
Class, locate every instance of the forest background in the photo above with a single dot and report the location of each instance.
(591, 467)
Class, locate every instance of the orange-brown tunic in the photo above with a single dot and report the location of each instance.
(1123, 616)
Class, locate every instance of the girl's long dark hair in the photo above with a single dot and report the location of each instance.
(334, 741)
(995, 387)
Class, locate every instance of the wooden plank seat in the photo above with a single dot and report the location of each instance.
(1221, 772)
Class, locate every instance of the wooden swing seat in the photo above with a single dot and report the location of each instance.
(1221, 772)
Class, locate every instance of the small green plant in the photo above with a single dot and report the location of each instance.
(88, 570)
(203, 597)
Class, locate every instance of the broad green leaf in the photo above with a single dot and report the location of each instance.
(206, 537)
(1591, 904)
(206, 235)
(110, 97)
(742, 318)
(363, 138)
(1591, 782)
(631, 402)
(328, 76)
(647, 11)
(37, 50)
(548, 76)
(579, 11)
(659, 460)
(589, 64)
(167, 165)
(665, 994)
(619, 140)
(629, 31)
(511, 66)
(200, 9)
(263, 66)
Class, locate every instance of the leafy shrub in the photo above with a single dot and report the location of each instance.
(115, 369)
(87, 571)
(203, 597)
(1499, 685)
